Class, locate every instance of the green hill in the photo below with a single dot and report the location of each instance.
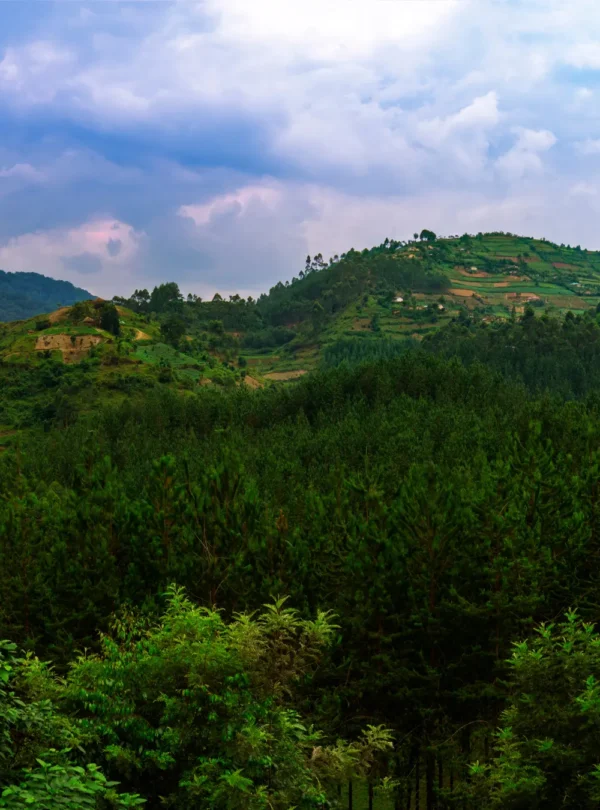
(470, 297)
(23, 295)
(343, 592)
(399, 291)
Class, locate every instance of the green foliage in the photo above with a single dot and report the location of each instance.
(165, 298)
(39, 745)
(69, 787)
(201, 711)
(81, 310)
(547, 749)
(25, 295)
(109, 319)
(172, 329)
(440, 497)
(545, 353)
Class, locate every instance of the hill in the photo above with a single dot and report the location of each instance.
(397, 292)
(434, 292)
(23, 295)
(426, 500)
(472, 297)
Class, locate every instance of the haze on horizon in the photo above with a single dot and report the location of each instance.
(217, 143)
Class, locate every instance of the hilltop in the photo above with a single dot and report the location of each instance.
(24, 295)
(471, 297)
(394, 293)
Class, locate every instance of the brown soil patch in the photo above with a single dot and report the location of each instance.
(205, 381)
(72, 350)
(120, 310)
(501, 283)
(139, 335)
(461, 292)
(522, 296)
(58, 315)
(285, 375)
(472, 273)
(251, 382)
(563, 266)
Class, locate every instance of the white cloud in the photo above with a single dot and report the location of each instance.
(332, 123)
(58, 253)
(480, 114)
(585, 55)
(583, 190)
(591, 146)
(236, 203)
(24, 171)
(524, 157)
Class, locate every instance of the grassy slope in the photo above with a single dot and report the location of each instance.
(497, 284)
(115, 368)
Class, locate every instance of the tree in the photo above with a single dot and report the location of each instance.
(172, 329)
(427, 236)
(547, 750)
(165, 297)
(38, 745)
(109, 319)
(140, 300)
(203, 712)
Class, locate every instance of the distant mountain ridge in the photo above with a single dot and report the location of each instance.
(24, 295)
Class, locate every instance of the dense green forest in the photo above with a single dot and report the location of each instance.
(373, 587)
(23, 295)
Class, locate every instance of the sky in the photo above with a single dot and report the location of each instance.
(217, 143)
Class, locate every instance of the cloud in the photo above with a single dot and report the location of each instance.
(78, 253)
(218, 142)
(113, 247)
(591, 146)
(22, 171)
(585, 55)
(84, 263)
(234, 203)
(525, 156)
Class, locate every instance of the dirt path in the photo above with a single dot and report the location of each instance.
(285, 375)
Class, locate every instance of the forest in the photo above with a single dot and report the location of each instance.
(23, 295)
(372, 587)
